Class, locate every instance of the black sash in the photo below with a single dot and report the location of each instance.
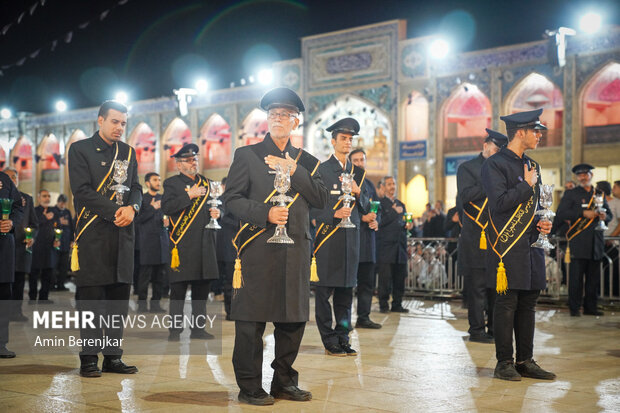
(86, 217)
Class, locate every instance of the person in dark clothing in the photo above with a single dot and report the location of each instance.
(226, 254)
(65, 223)
(44, 253)
(23, 249)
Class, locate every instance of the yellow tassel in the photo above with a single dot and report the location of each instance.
(237, 277)
(175, 262)
(314, 275)
(567, 255)
(75, 264)
(502, 281)
(483, 240)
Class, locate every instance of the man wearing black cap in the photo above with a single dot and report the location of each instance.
(509, 180)
(271, 281)
(65, 223)
(193, 260)
(586, 245)
(366, 274)
(336, 249)
(472, 243)
(102, 254)
(154, 245)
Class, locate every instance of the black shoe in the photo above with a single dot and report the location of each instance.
(90, 369)
(505, 370)
(533, 370)
(201, 335)
(156, 308)
(174, 336)
(348, 350)
(47, 302)
(335, 350)
(575, 313)
(399, 309)
(259, 398)
(595, 312)
(367, 323)
(117, 366)
(482, 338)
(228, 317)
(18, 318)
(384, 310)
(5, 353)
(291, 393)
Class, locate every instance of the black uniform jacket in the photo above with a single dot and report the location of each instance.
(197, 247)
(276, 276)
(105, 250)
(7, 241)
(67, 230)
(152, 236)
(225, 249)
(338, 257)
(392, 234)
(469, 189)
(589, 244)
(503, 182)
(368, 243)
(23, 258)
(43, 252)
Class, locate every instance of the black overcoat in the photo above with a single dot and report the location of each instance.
(105, 250)
(392, 234)
(44, 255)
(368, 236)
(67, 230)
(506, 188)
(338, 257)
(276, 276)
(7, 241)
(589, 244)
(152, 236)
(23, 258)
(197, 247)
(225, 249)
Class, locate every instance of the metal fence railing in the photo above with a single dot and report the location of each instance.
(432, 269)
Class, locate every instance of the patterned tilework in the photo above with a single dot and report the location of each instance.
(513, 75)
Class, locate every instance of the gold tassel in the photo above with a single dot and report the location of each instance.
(237, 277)
(175, 262)
(502, 280)
(483, 240)
(75, 264)
(567, 255)
(314, 275)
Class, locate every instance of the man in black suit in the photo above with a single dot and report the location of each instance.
(65, 223)
(44, 253)
(276, 277)
(366, 275)
(392, 249)
(23, 248)
(8, 192)
(154, 243)
(104, 239)
(226, 254)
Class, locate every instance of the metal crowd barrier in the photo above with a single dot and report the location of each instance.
(432, 269)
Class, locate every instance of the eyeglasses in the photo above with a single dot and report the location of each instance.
(280, 115)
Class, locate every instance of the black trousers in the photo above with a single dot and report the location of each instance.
(365, 288)
(151, 274)
(107, 301)
(343, 298)
(5, 302)
(480, 300)
(200, 293)
(248, 354)
(227, 268)
(592, 271)
(62, 268)
(46, 279)
(392, 277)
(515, 310)
(17, 293)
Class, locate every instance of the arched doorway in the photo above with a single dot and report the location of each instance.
(21, 158)
(374, 137)
(536, 91)
(215, 141)
(142, 138)
(48, 164)
(253, 128)
(175, 136)
(465, 116)
(601, 106)
(416, 117)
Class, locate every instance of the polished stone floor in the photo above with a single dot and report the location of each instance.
(418, 362)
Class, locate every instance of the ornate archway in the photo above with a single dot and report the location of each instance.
(253, 128)
(143, 140)
(21, 158)
(465, 115)
(415, 109)
(175, 136)
(216, 143)
(48, 163)
(601, 106)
